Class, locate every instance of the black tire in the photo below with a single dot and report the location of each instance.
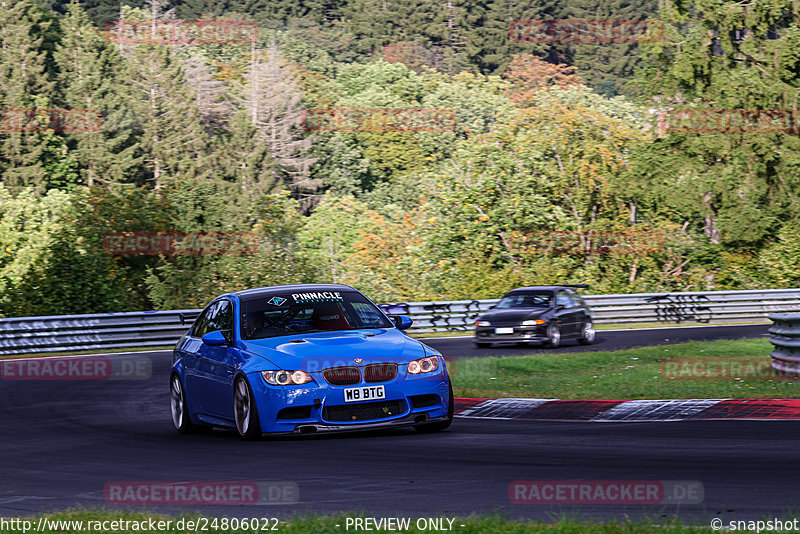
(438, 426)
(482, 345)
(245, 412)
(178, 407)
(553, 336)
(587, 334)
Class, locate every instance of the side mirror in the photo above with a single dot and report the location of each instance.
(560, 306)
(402, 322)
(215, 339)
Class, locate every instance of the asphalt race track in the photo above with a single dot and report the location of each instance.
(64, 441)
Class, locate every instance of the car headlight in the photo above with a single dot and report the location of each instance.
(286, 378)
(425, 365)
(533, 322)
(483, 323)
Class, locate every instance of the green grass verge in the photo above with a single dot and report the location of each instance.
(337, 525)
(625, 374)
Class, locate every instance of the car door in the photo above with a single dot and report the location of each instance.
(216, 365)
(579, 311)
(582, 312)
(191, 357)
(566, 312)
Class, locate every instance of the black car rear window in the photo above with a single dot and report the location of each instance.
(286, 314)
(526, 300)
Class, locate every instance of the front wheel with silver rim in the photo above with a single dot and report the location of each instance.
(244, 410)
(587, 334)
(178, 407)
(553, 336)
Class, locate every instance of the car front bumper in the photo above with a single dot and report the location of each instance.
(487, 334)
(320, 407)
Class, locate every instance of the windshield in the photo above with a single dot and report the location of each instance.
(285, 314)
(525, 300)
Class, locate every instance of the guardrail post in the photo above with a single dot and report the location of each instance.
(785, 336)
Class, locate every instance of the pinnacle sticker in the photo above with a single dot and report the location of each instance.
(317, 296)
(276, 301)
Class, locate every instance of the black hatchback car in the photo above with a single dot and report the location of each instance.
(542, 314)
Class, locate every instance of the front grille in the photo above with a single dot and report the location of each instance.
(342, 376)
(380, 372)
(364, 411)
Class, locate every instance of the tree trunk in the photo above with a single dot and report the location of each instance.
(710, 227)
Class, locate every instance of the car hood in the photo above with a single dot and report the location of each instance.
(321, 350)
(512, 315)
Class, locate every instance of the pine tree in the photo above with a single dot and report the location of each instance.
(172, 137)
(607, 66)
(25, 87)
(88, 79)
(244, 158)
(272, 100)
(734, 184)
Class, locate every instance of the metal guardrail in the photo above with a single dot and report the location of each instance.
(61, 333)
(705, 307)
(785, 336)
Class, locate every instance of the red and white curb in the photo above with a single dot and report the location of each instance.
(596, 410)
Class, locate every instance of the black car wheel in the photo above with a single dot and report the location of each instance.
(244, 410)
(178, 406)
(587, 334)
(438, 426)
(553, 336)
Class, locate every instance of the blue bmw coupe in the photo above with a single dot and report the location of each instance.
(305, 358)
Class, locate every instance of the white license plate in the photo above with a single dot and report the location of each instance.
(504, 330)
(364, 393)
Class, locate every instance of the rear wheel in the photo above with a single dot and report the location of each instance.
(587, 334)
(438, 426)
(553, 336)
(244, 410)
(178, 406)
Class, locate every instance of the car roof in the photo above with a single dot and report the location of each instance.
(259, 291)
(538, 288)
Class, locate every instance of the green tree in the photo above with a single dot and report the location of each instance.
(717, 59)
(329, 234)
(171, 136)
(25, 88)
(88, 79)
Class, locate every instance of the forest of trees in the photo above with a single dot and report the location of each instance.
(548, 142)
